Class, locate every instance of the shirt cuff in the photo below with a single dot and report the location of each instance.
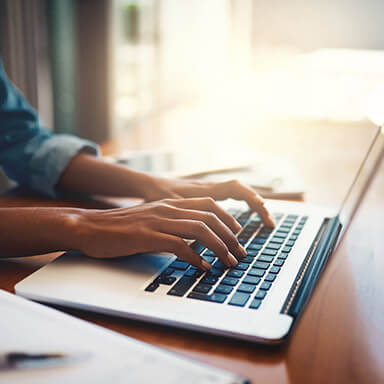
(52, 158)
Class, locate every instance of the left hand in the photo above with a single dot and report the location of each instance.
(162, 188)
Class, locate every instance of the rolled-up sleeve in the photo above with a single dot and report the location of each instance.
(30, 154)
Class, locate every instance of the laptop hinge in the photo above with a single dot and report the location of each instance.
(312, 267)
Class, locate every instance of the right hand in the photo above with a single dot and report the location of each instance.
(161, 226)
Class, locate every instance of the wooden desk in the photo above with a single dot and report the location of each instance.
(340, 337)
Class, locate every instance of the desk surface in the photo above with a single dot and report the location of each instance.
(340, 337)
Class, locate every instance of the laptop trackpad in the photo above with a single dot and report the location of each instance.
(130, 271)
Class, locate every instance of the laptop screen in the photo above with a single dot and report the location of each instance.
(362, 179)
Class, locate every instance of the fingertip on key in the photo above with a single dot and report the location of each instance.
(232, 259)
(206, 265)
(271, 222)
(242, 250)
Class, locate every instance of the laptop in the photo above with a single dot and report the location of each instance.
(259, 300)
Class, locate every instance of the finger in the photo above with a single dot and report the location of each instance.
(208, 204)
(236, 190)
(174, 195)
(163, 195)
(168, 243)
(214, 223)
(191, 229)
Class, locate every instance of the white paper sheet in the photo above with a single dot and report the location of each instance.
(114, 358)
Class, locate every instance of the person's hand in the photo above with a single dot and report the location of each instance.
(160, 226)
(162, 188)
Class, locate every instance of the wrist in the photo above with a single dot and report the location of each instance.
(71, 229)
(144, 185)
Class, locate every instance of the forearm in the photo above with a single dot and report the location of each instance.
(91, 175)
(32, 231)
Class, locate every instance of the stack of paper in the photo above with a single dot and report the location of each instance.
(109, 357)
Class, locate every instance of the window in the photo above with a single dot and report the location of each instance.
(244, 59)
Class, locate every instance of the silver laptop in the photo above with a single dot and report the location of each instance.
(259, 300)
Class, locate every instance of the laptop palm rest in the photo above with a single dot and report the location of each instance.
(81, 275)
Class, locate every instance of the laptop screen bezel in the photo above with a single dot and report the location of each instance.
(362, 180)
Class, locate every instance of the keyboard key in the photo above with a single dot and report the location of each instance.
(293, 217)
(254, 225)
(210, 280)
(209, 259)
(278, 240)
(278, 262)
(263, 235)
(296, 232)
(260, 294)
(285, 228)
(202, 288)
(282, 235)
(287, 249)
(168, 271)
(193, 272)
(239, 299)
(265, 285)
(273, 246)
(269, 252)
(290, 243)
(247, 259)
(293, 237)
(215, 272)
(152, 287)
(219, 265)
(255, 304)
(197, 247)
(166, 280)
(182, 286)
(258, 241)
(252, 280)
(224, 289)
(252, 252)
(282, 255)
(235, 273)
(265, 258)
(261, 264)
(179, 265)
(215, 297)
(254, 246)
(243, 240)
(242, 267)
(229, 281)
(270, 277)
(274, 269)
(256, 272)
(242, 221)
(247, 288)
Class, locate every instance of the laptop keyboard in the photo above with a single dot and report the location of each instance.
(247, 284)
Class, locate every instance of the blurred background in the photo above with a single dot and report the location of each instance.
(220, 78)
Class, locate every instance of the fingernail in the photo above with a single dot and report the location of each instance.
(206, 265)
(272, 222)
(238, 226)
(242, 250)
(232, 259)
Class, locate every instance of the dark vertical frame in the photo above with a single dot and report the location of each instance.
(62, 43)
(93, 63)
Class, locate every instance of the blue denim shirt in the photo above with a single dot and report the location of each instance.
(30, 154)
